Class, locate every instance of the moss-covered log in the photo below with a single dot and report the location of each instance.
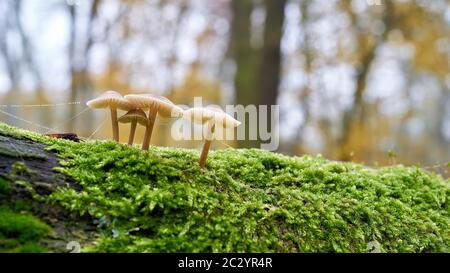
(243, 201)
(27, 222)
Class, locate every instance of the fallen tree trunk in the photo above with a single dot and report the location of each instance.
(244, 200)
(27, 172)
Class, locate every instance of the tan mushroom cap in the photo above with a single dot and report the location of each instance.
(110, 99)
(198, 115)
(134, 115)
(201, 115)
(166, 108)
(226, 120)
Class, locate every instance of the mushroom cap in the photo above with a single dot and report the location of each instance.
(198, 115)
(134, 115)
(221, 117)
(201, 115)
(110, 99)
(166, 108)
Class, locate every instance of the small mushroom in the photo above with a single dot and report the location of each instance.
(134, 117)
(114, 101)
(156, 105)
(213, 116)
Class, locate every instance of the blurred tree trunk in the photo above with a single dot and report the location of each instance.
(81, 86)
(44, 115)
(268, 76)
(11, 68)
(242, 51)
(72, 57)
(442, 116)
(258, 69)
(13, 64)
(354, 117)
(307, 51)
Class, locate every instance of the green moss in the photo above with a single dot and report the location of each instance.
(20, 205)
(20, 232)
(252, 201)
(5, 187)
(19, 168)
(30, 248)
(248, 200)
(7, 130)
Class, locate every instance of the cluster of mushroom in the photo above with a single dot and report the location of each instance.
(135, 106)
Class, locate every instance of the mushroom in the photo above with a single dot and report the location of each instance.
(134, 117)
(114, 101)
(156, 105)
(213, 116)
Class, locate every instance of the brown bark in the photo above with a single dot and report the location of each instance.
(23, 159)
(258, 69)
(270, 66)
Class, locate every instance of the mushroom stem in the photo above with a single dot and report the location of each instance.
(149, 128)
(132, 132)
(207, 145)
(115, 124)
